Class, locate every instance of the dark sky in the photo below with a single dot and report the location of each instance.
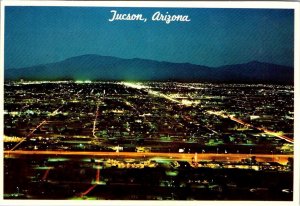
(213, 37)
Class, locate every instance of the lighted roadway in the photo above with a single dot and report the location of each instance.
(153, 155)
(218, 113)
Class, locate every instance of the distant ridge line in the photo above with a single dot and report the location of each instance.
(97, 67)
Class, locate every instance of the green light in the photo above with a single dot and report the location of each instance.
(43, 168)
(83, 198)
(172, 173)
(97, 167)
(57, 159)
(83, 82)
(98, 183)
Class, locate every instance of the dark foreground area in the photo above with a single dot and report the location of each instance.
(132, 179)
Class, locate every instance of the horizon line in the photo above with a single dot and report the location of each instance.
(139, 58)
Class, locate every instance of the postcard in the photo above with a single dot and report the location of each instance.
(129, 103)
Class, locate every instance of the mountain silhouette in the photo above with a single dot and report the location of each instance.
(97, 67)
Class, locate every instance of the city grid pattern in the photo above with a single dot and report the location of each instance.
(184, 141)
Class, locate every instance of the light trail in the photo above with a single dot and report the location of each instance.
(56, 111)
(187, 103)
(46, 174)
(95, 121)
(229, 157)
(130, 105)
(28, 135)
(277, 135)
(97, 181)
(37, 127)
(147, 89)
(88, 190)
(98, 175)
(269, 132)
(41, 124)
(134, 85)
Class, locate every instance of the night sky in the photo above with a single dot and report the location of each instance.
(213, 37)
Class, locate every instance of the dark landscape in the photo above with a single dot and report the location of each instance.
(96, 67)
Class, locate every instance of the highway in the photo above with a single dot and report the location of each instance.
(290, 140)
(152, 155)
(218, 113)
(95, 121)
(269, 132)
(41, 124)
(31, 133)
(36, 128)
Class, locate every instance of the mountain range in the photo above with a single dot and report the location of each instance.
(97, 67)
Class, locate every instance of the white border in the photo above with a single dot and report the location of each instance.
(156, 4)
(167, 4)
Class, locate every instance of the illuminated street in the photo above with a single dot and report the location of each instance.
(183, 141)
(162, 156)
